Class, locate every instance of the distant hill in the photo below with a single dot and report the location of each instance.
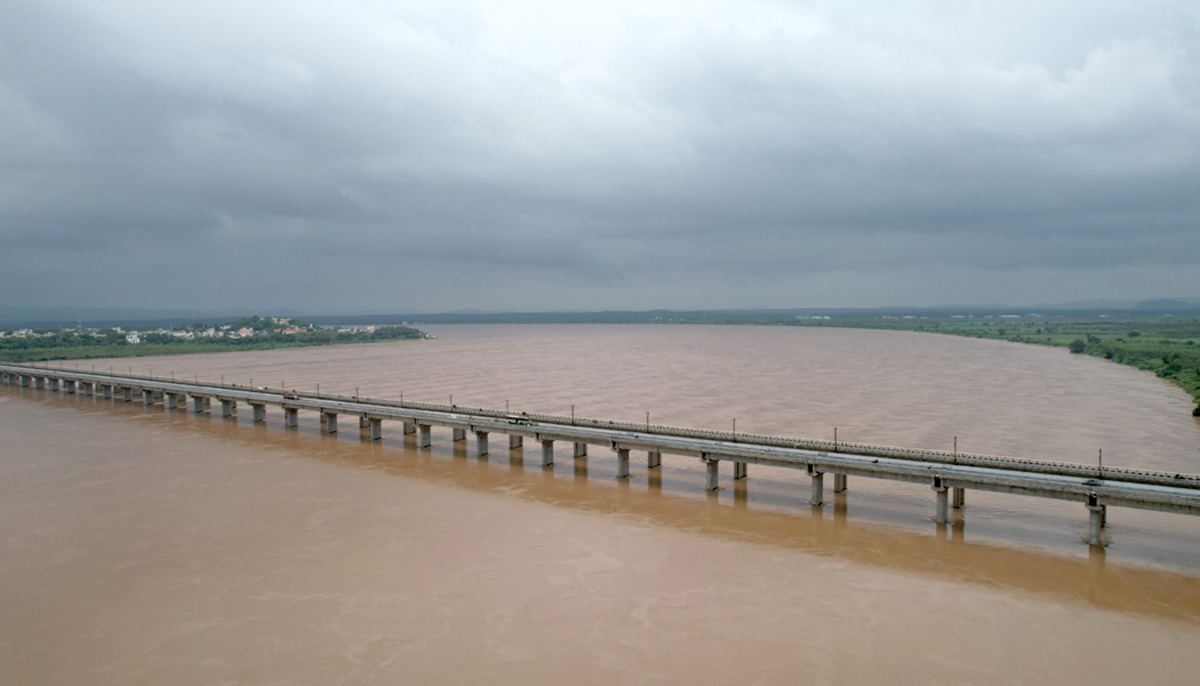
(12, 317)
(1169, 305)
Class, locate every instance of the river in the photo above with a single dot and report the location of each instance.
(139, 546)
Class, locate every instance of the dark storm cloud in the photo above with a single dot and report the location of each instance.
(390, 155)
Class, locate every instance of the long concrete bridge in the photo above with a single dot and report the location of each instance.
(948, 474)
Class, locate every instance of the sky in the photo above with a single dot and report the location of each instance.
(377, 156)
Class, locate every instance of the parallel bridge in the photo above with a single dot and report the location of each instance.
(948, 474)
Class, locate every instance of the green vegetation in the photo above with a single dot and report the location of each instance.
(1167, 346)
(267, 333)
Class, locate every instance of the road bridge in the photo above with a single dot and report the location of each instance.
(949, 474)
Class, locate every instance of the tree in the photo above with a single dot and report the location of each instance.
(1077, 345)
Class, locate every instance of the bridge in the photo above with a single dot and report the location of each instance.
(949, 474)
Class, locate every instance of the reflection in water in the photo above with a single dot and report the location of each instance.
(141, 546)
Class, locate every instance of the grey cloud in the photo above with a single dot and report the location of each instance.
(723, 153)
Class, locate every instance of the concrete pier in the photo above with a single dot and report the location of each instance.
(106, 391)
(458, 434)
(374, 428)
(260, 412)
(839, 483)
(198, 404)
(481, 444)
(515, 441)
(943, 502)
(424, 439)
(1095, 524)
(817, 497)
(26, 381)
(52, 384)
(88, 388)
(39, 382)
(547, 453)
(409, 428)
(739, 470)
(958, 497)
(171, 401)
(147, 396)
(711, 483)
(228, 407)
(622, 463)
(653, 459)
(290, 418)
(70, 386)
(127, 394)
(580, 449)
(328, 422)
(364, 422)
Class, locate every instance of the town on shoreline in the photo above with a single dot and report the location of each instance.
(29, 344)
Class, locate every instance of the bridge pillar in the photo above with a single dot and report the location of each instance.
(260, 412)
(458, 434)
(291, 418)
(839, 483)
(328, 422)
(710, 477)
(53, 384)
(653, 459)
(106, 391)
(70, 386)
(1095, 524)
(739, 470)
(481, 444)
(147, 397)
(547, 453)
(126, 394)
(39, 382)
(228, 407)
(364, 422)
(581, 450)
(958, 497)
(171, 401)
(943, 501)
(622, 463)
(409, 427)
(197, 404)
(375, 428)
(26, 380)
(515, 441)
(423, 436)
(87, 388)
(817, 498)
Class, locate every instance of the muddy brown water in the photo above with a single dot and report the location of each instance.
(139, 546)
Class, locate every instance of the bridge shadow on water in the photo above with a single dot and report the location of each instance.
(675, 498)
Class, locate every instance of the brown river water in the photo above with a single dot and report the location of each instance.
(139, 546)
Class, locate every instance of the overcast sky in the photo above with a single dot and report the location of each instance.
(371, 155)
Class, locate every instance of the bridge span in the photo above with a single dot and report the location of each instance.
(948, 474)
